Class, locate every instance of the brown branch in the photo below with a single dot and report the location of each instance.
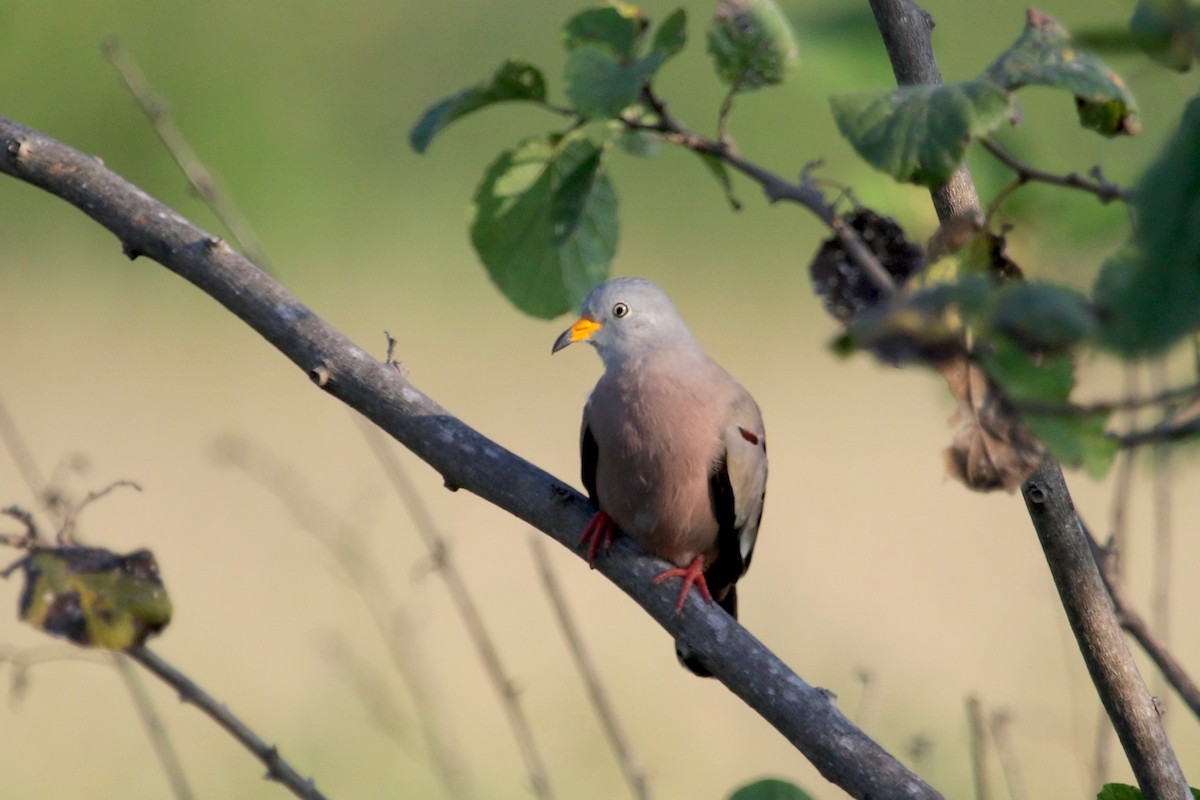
(1127, 403)
(631, 767)
(906, 31)
(802, 713)
(277, 768)
(1160, 434)
(1105, 190)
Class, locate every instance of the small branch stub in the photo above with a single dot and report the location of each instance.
(1036, 492)
(320, 375)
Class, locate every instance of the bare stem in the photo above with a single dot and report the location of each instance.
(159, 737)
(1105, 190)
(189, 692)
(1000, 722)
(197, 174)
(978, 738)
(489, 654)
(631, 766)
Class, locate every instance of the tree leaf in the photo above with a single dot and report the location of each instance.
(1119, 791)
(716, 167)
(1168, 31)
(919, 134)
(671, 35)
(514, 80)
(618, 26)
(1045, 55)
(545, 225)
(751, 44)
(1076, 441)
(600, 86)
(1025, 376)
(770, 789)
(1042, 316)
(1149, 294)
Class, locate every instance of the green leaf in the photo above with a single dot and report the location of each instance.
(770, 789)
(1168, 31)
(919, 134)
(1023, 376)
(1149, 294)
(716, 168)
(545, 224)
(642, 144)
(1045, 55)
(1119, 791)
(514, 80)
(1040, 315)
(751, 44)
(671, 35)
(1076, 441)
(618, 26)
(602, 87)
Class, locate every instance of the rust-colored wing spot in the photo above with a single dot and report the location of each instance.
(747, 435)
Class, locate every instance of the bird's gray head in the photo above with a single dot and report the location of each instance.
(624, 317)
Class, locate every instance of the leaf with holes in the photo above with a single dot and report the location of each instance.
(514, 81)
(1148, 294)
(1044, 55)
(545, 223)
(920, 134)
(751, 44)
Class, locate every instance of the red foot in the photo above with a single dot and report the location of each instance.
(599, 529)
(693, 575)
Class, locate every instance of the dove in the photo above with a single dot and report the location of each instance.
(672, 448)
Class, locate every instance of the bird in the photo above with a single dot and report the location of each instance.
(672, 448)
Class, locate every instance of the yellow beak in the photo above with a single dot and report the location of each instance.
(583, 329)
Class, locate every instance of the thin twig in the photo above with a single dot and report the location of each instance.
(864, 714)
(197, 174)
(1000, 722)
(1160, 434)
(977, 734)
(776, 189)
(66, 534)
(1128, 402)
(1160, 596)
(189, 692)
(369, 581)
(426, 528)
(156, 731)
(1133, 623)
(1122, 493)
(20, 453)
(631, 766)
(1105, 190)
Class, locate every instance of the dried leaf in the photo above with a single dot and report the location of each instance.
(991, 448)
(840, 282)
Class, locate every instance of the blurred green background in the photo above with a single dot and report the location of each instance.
(870, 561)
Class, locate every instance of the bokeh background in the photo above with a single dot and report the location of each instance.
(876, 577)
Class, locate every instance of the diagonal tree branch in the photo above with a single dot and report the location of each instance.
(906, 30)
(465, 459)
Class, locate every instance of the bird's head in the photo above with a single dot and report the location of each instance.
(624, 317)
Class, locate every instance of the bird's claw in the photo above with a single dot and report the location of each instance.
(693, 575)
(599, 529)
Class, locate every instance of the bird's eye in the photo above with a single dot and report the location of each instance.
(620, 310)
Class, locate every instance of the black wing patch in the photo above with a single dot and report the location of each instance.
(589, 454)
(729, 565)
